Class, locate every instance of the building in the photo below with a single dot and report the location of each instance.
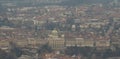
(55, 41)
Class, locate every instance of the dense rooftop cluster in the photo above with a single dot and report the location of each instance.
(61, 27)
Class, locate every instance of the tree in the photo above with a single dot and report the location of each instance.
(45, 49)
(84, 51)
(15, 49)
(73, 50)
(11, 56)
(5, 22)
(70, 21)
(109, 53)
(2, 54)
(5, 55)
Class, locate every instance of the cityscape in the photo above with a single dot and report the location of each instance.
(59, 29)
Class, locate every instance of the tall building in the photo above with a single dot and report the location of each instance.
(54, 41)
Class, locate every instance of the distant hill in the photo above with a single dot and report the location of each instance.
(75, 2)
(64, 2)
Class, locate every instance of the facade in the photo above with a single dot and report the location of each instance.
(56, 43)
(70, 42)
(4, 44)
(102, 43)
(88, 42)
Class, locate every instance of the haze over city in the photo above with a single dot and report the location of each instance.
(59, 29)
